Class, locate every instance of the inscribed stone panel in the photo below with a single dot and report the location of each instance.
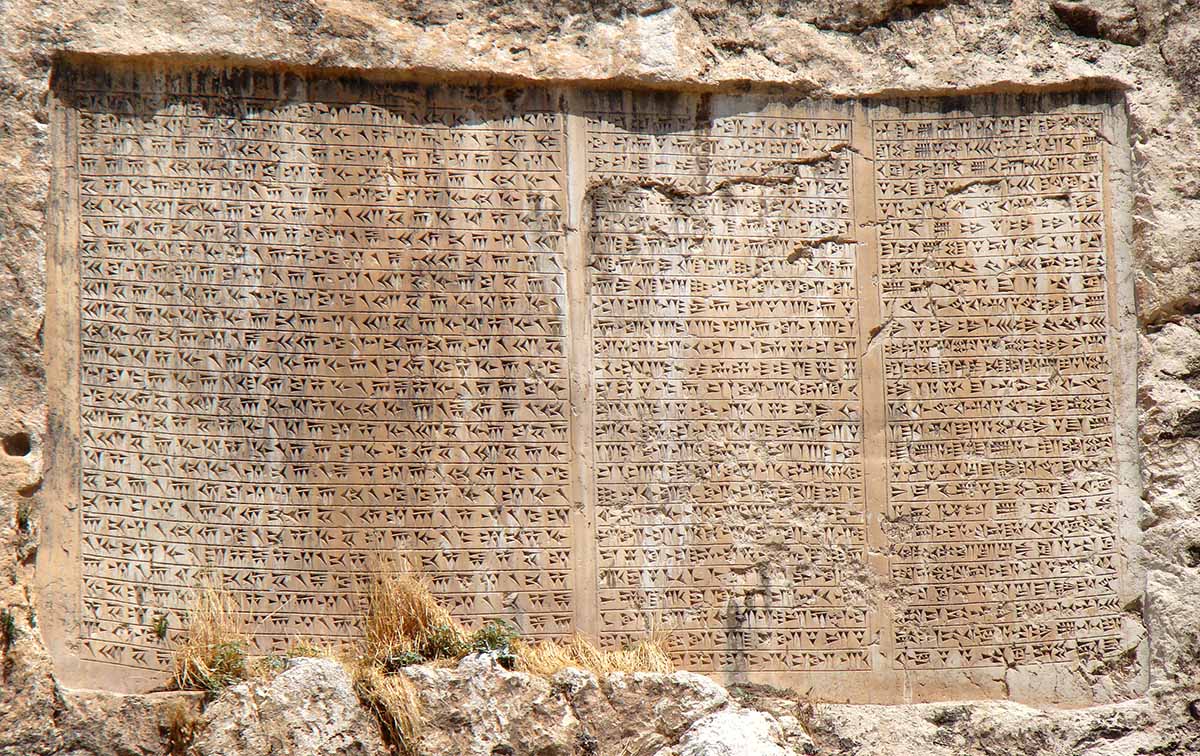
(319, 322)
(1005, 368)
(725, 346)
(835, 396)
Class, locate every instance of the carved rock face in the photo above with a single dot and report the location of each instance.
(830, 392)
(877, 48)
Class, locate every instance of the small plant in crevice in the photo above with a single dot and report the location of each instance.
(159, 626)
(444, 641)
(269, 665)
(179, 730)
(26, 531)
(24, 518)
(8, 628)
(225, 666)
(497, 638)
(396, 661)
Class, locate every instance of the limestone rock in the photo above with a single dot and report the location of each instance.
(28, 696)
(309, 709)
(983, 729)
(734, 731)
(478, 708)
(641, 712)
(1113, 20)
(114, 724)
(859, 15)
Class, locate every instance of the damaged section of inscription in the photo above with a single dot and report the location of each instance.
(727, 421)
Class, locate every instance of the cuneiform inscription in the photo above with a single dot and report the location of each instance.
(725, 352)
(1000, 418)
(826, 394)
(313, 333)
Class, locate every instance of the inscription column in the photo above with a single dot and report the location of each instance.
(1002, 513)
(728, 466)
(322, 323)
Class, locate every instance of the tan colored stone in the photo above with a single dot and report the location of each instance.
(839, 372)
(99, 722)
(309, 709)
(641, 713)
(733, 731)
(479, 709)
(963, 46)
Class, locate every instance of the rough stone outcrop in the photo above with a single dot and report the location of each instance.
(734, 731)
(992, 728)
(818, 49)
(643, 712)
(309, 709)
(1114, 20)
(476, 708)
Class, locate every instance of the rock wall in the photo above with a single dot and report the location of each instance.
(1148, 48)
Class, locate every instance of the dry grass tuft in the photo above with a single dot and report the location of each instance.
(319, 649)
(405, 624)
(394, 701)
(546, 658)
(647, 655)
(212, 655)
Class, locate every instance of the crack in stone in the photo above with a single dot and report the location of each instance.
(804, 247)
(676, 192)
(960, 188)
(1103, 137)
(877, 334)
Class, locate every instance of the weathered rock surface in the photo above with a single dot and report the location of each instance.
(98, 723)
(309, 709)
(1114, 20)
(1149, 48)
(642, 712)
(733, 731)
(478, 708)
(985, 729)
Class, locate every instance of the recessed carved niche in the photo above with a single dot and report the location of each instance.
(837, 394)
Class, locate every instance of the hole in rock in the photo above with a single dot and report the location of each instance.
(17, 445)
(1191, 555)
